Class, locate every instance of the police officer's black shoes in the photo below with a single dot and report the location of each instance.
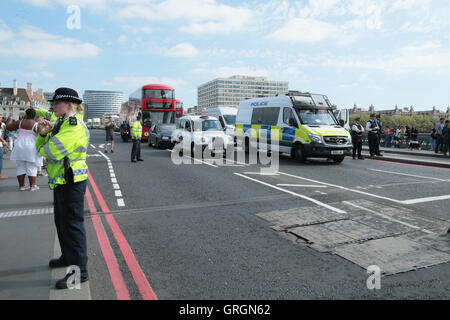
(133, 160)
(57, 263)
(140, 159)
(361, 158)
(379, 155)
(62, 284)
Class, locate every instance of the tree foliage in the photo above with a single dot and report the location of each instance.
(422, 122)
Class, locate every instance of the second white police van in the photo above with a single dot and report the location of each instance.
(303, 124)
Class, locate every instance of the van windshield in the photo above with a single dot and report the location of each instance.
(316, 117)
(230, 119)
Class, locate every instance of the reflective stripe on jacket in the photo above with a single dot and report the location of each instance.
(136, 130)
(71, 141)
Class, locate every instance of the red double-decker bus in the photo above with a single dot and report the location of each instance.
(179, 109)
(157, 104)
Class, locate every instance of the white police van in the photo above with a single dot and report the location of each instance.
(226, 117)
(303, 124)
(201, 132)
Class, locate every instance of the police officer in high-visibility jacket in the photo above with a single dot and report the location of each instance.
(136, 136)
(64, 145)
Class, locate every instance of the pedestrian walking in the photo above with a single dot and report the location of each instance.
(3, 144)
(109, 128)
(387, 136)
(136, 136)
(439, 137)
(414, 140)
(357, 132)
(446, 137)
(374, 142)
(64, 145)
(432, 139)
(24, 153)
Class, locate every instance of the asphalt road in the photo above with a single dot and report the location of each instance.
(205, 231)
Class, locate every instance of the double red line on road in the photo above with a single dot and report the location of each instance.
(141, 281)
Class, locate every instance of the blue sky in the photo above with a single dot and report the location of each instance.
(383, 52)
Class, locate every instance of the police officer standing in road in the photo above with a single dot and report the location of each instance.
(374, 143)
(357, 131)
(64, 145)
(136, 136)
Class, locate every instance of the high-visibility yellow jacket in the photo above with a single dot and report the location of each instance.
(50, 116)
(71, 141)
(136, 130)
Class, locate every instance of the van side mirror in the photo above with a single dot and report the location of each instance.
(341, 122)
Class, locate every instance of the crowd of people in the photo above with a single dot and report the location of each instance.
(19, 138)
(439, 140)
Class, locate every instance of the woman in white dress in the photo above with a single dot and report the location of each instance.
(24, 153)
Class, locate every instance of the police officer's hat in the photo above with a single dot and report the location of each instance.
(138, 117)
(358, 119)
(372, 115)
(66, 95)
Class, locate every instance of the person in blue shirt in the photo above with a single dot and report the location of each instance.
(439, 136)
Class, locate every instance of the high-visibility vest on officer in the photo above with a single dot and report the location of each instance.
(136, 130)
(64, 145)
(136, 136)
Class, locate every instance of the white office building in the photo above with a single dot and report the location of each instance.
(101, 102)
(228, 92)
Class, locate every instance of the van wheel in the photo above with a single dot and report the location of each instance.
(338, 159)
(298, 153)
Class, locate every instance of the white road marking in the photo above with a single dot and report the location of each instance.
(113, 180)
(405, 174)
(209, 164)
(116, 186)
(26, 212)
(294, 194)
(388, 218)
(112, 175)
(300, 185)
(103, 155)
(428, 199)
(262, 173)
(93, 146)
(118, 193)
(340, 187)
(120, 203)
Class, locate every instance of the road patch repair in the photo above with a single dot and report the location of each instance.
(393, 237)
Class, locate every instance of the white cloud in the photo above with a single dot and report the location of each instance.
(5, 32)
(228, 71)
(122, 39)
(30, 41)
(303, 30)
(66, 3)
(198, 16)
(137, 81)
(183, 50)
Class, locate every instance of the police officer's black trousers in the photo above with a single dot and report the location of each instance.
(136, 150)
(374, 144)
(357, 146)
(69, 220)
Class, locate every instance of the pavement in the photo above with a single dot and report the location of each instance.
(207, 230)
(28, 241)
(418, 157)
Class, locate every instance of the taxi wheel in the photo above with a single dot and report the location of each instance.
(299, 153)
